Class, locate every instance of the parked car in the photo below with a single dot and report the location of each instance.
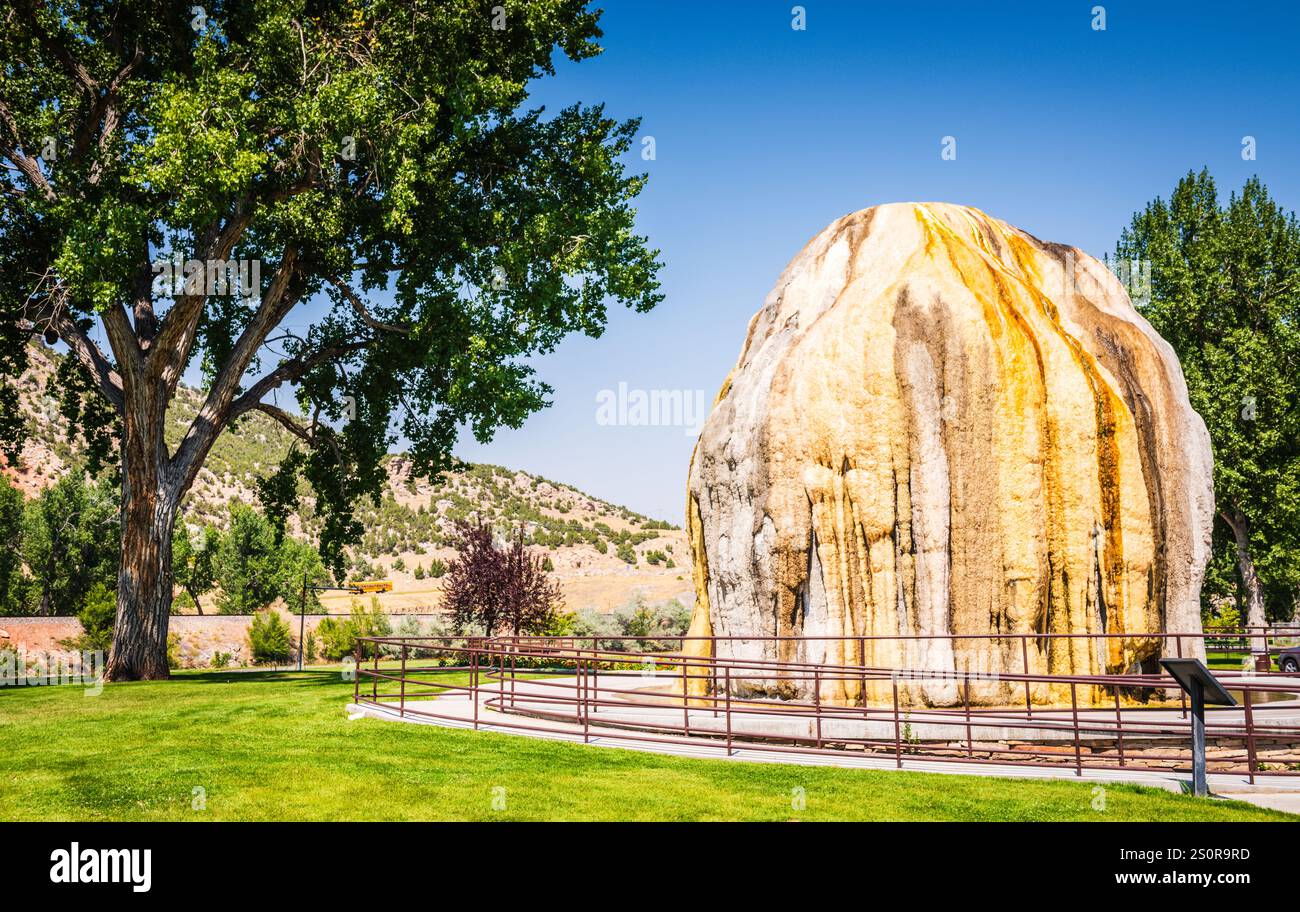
(1288, 659)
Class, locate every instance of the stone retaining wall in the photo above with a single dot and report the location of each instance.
(201, 637)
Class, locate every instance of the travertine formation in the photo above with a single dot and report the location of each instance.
(941, 425)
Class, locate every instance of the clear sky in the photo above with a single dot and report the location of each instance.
(765, 134)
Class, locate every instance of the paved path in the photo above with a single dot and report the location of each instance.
(457, 710)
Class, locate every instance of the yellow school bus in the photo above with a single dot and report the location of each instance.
(374, 586)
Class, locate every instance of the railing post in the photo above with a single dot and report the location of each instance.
(1119, 727)
(1182, 694)
(1024, 660)
(713, 681)
(898, 737)
(374, 680)
(817, 702)
(970, 746)
(473, 682)
(727, 685)
(686, 699)
(402, 705)
(1074, 714)
(1250, 733)
(356, 671)
(582, 692)
(862, 660)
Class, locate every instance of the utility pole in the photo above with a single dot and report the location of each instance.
(302, 620)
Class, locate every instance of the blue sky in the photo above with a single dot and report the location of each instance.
(765, 134)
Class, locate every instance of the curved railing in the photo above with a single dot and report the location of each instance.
(656, 691)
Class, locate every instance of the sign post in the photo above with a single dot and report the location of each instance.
(1202, 687)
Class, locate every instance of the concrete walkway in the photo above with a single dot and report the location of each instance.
(535, 717)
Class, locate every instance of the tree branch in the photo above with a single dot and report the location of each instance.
(171, 347)
(366, 316)
(286, 420)
(27, 165)
(215, 412)
(291, 371)
(105, 109)
(59, 49)
(122, 339)
(52, 316)
(180, 324)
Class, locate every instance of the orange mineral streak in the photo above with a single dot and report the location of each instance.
(1018, 287)
(696, 680)
(937, 453)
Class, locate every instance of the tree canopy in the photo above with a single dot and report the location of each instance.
(1225, 293)
(254, 566)
(348, 199)
(69, 542)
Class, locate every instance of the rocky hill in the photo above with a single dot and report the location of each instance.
(603, 554)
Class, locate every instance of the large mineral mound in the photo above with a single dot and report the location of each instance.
(940, 425)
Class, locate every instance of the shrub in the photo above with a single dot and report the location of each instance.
(336, 637)
(419, 571)
(270, 638)
(410, 627)
(369, 623)
(220, 659)
(563, 623)
(637, 618)
(97, 616)
(437, 568)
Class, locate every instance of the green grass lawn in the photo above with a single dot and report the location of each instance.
(1229, 661)
(278, 746)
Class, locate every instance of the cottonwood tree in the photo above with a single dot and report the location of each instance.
(497, 588)
(1225, 292)
(418, 232)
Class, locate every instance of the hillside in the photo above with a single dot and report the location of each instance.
(601, 552)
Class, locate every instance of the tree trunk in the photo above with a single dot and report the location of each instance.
(1240, 527)
(144, 583)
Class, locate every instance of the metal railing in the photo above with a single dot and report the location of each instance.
(742, 696)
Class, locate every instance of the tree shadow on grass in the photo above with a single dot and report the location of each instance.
(309, 677)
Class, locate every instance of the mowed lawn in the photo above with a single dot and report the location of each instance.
(278, 746)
